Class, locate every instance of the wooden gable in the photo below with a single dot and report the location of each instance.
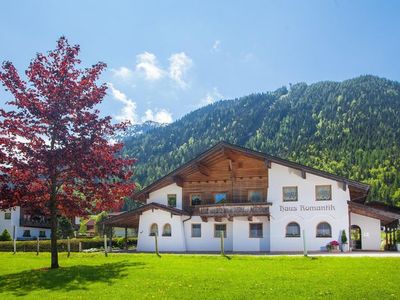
(235, 174)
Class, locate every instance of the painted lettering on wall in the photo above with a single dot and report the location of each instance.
(328, 207)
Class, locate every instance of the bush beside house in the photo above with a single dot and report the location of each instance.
(5, 236)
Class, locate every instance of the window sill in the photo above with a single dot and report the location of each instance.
(292, 236)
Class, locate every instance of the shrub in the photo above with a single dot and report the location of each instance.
(5, 236)
(30, 246)
(120, 242)
(343, 237)
(65, 228)
(82, 227)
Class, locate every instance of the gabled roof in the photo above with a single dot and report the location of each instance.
(131, 218)
(169, 178)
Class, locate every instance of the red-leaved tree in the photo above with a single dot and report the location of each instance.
(54, 147)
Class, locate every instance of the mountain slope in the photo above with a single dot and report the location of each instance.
(350, 128)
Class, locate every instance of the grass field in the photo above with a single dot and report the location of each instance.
(146, 276)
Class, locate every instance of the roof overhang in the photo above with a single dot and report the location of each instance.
(385, 216)
(131, 218)
(226, 148)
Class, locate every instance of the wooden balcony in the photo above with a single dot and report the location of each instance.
(27, 220)
(230, 210)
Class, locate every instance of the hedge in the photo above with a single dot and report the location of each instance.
(31, 246)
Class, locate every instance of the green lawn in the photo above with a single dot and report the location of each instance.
(146, 276)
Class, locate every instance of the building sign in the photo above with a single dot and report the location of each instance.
(304, 208)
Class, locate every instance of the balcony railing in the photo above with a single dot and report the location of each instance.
(233, 209)
(34, 221)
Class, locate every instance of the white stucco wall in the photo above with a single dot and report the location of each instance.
(160, 196)
(208, 242)
(241, 239)
(19, 231)
(173, 243)
(282, 213)
(370, 231)
(9, 224)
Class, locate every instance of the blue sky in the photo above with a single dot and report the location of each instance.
(166, 58)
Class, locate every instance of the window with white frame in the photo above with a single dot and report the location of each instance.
(256, 230)
(323, 192)
(171, 200)
(219, 229)
(154, 229)
(324, 230)
(166, 230)
(292, 230)
(196, 230)
(289, 193)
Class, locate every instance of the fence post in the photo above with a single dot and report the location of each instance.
(15, 240)
(221, 234)
(156, 244)
(37, 246)
(80, 247)
(111, 236)
(68, 247)
(304, 243)
(126, 238)
(105, 245)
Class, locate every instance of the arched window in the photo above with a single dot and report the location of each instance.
(166, 230)
(153, 229)
(324, 230)
(293, 230)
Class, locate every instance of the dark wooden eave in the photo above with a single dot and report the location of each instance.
(385, 216)
(227, 150)
(131, 218)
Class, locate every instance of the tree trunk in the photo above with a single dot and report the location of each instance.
(54, 225)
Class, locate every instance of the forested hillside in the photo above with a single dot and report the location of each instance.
(350, 128)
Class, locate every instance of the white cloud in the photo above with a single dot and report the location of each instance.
(211, 97)
(216, 46)
(123, 73)
(147, 67)
(160, 116)
(128, 111)
(147, 64)
(179, 64)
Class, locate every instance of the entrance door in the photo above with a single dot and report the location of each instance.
(356, 237)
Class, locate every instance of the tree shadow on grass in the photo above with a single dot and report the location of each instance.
(311, 257)
(65, 279)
